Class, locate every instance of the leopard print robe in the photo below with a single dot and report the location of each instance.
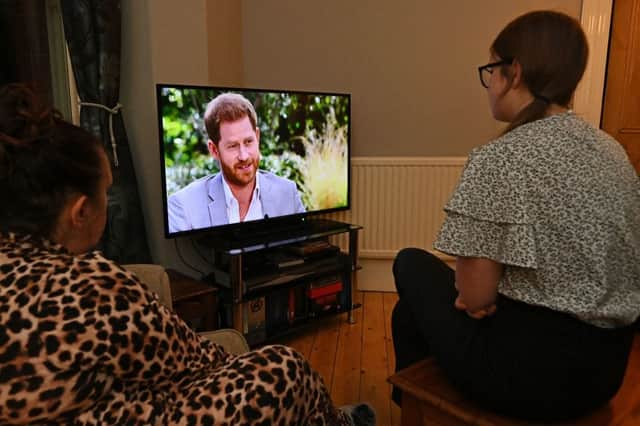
(82, 341)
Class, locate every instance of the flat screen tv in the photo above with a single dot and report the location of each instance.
(225, 169)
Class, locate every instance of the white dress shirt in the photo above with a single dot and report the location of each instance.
(233, 207)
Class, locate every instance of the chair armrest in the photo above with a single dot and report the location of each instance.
(156, 278)
(230, 339)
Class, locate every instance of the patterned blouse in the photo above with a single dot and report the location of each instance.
(557, 202)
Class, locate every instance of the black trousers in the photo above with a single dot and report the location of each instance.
(524, 361)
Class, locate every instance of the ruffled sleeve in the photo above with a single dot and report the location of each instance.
(489, 215)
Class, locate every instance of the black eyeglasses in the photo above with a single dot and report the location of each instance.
(485, 71)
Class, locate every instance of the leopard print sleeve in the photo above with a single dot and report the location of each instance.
(138, 338)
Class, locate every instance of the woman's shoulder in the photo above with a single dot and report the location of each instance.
(499, 152)
(535, 140)
(100, 279)
(95, 266)
(43, 267)
(93, 272)
(94, 262)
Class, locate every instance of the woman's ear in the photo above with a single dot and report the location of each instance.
(516, 74)
(72, 222)
(79, 213)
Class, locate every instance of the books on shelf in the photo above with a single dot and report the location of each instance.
(297, 304)
(277, 310)
(291, 305)
(281, 283)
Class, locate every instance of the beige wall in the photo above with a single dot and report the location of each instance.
(179, 41)
(224, 34)
(411, 65)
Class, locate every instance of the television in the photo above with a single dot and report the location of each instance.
(293, 163)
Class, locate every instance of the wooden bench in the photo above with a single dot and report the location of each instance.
(428, 399)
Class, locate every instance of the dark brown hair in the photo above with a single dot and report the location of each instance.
(43, 160)
(227, 107)
(552, 49)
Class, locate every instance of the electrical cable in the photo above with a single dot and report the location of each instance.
(202, 256)
(183, 259)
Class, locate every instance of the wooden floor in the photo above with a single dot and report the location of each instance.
(355, 359)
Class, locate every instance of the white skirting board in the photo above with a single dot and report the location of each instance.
(377, 275)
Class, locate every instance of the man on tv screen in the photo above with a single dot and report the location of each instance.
(240, 191)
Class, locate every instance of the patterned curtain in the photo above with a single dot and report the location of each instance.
(92, 30)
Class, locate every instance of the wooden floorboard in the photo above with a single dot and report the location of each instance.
(355, 360)
(301, 341)
(390, 300)
(373, 381)
(346, 379)
(324, 349)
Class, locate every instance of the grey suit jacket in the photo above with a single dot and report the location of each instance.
(201, 204)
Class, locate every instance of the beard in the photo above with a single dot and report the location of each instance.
(238, 177)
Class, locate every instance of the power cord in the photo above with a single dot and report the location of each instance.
(202, 256)
(183, 259)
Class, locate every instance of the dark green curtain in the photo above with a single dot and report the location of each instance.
(92, 30)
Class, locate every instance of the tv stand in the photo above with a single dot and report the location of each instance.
(271, 233)
(284, 276)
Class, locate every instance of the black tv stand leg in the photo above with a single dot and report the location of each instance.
(237, 291)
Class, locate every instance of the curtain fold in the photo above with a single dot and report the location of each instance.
(92, 31)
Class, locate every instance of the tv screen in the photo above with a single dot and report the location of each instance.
(238, 157)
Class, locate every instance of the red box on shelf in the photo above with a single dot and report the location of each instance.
(325, 290)
(324, 298)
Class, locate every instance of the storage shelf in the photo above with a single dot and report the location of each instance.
(290, 274)
(260, 297)
(303, 231)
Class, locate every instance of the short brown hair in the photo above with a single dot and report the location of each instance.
(43, 160)
(552, 50)
(227, 107)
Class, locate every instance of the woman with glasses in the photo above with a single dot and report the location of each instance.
(536, 320)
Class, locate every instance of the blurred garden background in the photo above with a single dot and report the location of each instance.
(303, 137)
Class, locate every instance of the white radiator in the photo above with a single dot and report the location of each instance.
(398, 201)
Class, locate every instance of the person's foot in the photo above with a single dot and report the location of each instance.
(361, 414)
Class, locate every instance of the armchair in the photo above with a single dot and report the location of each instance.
(155, 277)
